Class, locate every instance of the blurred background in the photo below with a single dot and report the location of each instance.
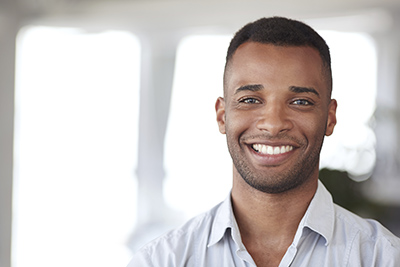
(108, 135)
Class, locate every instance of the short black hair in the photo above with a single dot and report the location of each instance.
(281, 31)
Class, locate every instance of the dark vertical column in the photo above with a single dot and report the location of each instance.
(8, 31)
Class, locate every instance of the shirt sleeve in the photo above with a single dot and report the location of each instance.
(390, 256)
(382, 251)
(140, 259)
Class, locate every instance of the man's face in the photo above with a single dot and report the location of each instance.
(275, 114)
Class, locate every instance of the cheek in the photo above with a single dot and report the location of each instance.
(236, 125)
(312, 128)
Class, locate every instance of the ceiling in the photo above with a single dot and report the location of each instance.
(200, 15)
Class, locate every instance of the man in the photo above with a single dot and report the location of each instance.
(276, 110)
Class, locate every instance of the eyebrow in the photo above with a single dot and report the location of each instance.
(299, 89)
(250, 87)
(259, 87)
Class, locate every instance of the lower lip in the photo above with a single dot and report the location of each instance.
(270, 160)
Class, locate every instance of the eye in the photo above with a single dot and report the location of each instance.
(249, 101)
(302, 102)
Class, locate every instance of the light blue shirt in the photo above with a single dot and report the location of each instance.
(328, 235)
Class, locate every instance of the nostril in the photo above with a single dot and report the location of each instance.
(273, 124)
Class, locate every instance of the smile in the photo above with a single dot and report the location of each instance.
(271, 150)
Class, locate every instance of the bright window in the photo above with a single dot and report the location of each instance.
(198, 166)
(77, 101)
(354, 69)
(197, 162)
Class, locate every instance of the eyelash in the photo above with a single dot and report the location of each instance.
(305, 102)
(251, 100)
(248, 99)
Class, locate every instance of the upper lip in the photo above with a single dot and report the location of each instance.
(273, 143)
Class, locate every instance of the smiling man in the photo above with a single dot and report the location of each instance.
(276, 111)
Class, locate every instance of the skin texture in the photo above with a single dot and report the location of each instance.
(275, 96)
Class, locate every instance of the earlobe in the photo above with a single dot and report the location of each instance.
(220, 112)
(331, 121)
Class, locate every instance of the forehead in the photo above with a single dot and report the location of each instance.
(271, 65)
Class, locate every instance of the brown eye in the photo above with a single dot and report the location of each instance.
(250, 101)
(302, 102)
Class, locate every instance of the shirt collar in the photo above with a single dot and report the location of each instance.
(319, 217)
(224, 219)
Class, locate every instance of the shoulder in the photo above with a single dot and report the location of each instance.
(366, 239)
(174, 239)
(366, 228)
(179, 245)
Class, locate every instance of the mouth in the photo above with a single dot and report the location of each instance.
(271, 150)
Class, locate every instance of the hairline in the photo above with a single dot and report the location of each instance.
(326, 71)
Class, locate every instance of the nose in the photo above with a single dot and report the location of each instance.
(274, 119)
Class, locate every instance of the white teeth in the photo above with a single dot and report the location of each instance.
(263, 149)
(271, 150)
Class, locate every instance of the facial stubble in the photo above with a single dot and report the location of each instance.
(270, 181)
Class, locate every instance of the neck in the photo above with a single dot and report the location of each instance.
(270, 218)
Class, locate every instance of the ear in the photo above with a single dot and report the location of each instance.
(220, 111)
(331, 122)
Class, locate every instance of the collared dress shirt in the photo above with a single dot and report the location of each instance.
(327, 235)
